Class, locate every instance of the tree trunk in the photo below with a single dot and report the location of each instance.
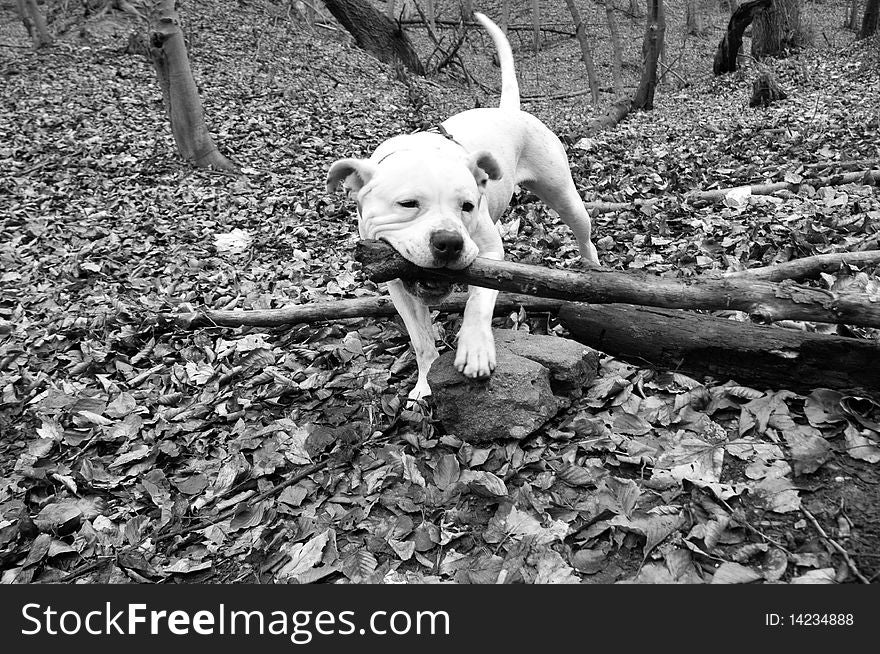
(695, 22)
(375, 33)
(852, 21)
(505, 15)
(700, 345)
(586, 54)
(777, 29)
(467, 10)
(765, 91)
(182, 103)
(616, 50)
(725, 56)
(25, 15)
(389, 9)
(34, 23)
(869, 21)
(652, 46)
(431, 10)
(762, 300)
(536, 23)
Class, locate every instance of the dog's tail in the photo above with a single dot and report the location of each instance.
(509, 85)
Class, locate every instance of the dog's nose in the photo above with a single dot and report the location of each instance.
(446, 245)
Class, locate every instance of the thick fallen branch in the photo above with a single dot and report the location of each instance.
(698, 344)
(809, 267)
(616, 112)
(868, 177)
(764, 300)
(366, 307)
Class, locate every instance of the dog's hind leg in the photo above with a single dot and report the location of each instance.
(547, 175)
(562, 197)
(417, 319)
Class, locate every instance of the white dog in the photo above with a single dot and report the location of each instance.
(435, 196)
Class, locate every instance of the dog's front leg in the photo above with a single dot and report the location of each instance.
(475, 356)
(417, 319)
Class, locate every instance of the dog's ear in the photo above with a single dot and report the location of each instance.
(356, 173)
(484, 166)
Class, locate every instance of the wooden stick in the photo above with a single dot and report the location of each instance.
(367, 307)
(837, 546)
(869, 177)
(809, 267)
(701, 345)
(763, 300)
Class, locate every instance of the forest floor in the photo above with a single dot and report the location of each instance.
(135, 451)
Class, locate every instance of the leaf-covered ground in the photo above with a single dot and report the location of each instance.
(132, 451)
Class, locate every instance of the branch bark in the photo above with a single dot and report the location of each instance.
(366, 307)
(763, 300)
(700, 345)
(618, 110)
(809, 267)
(868, 177)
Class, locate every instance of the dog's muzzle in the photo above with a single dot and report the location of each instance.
(446, 246)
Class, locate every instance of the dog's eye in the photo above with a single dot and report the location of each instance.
(467, 207)
(409, 204)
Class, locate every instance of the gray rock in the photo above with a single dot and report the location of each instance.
(572, 365)
(513, 403)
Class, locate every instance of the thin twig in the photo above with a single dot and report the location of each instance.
(837, 546)
(754, 529)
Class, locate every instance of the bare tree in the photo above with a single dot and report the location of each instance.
(616, 50)
(869, 20)
(652, 46)
(852, 19)
(34, 22)
(728, 48)
(182, 102)
(586, 54)
(536, 23)
(431, 11)
(777, 29)
(376, 33)
(695, 22)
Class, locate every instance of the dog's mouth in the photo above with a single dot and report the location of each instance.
(429, 291)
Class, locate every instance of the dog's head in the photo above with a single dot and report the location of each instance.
(423, 203)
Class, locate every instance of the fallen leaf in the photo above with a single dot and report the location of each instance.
(734, 573)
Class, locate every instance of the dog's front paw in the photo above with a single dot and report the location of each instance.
(420, 391)
(475, 357)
